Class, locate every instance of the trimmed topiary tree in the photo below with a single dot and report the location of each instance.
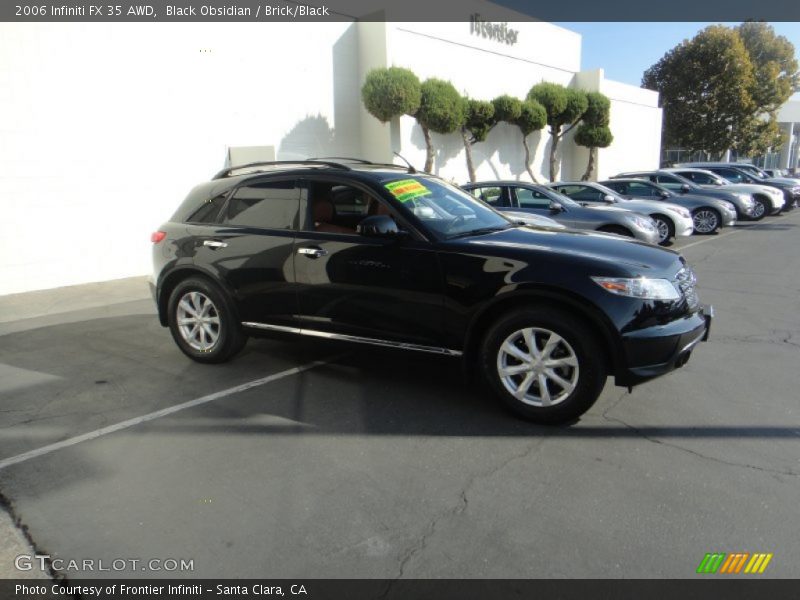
(528, 116)
(594, 132)
(391, 92)
(532, 118)
(478, 122)
(442, 110)
(564, 108)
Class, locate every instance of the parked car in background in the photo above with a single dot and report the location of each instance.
(741, 201)
(519, 196)
(384, 256)
(768, 200)
(779, 173)
(708, 214)
(671, 220)
(744, 173)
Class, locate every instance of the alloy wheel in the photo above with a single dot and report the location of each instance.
(759, 209)
(537, 366)
(198, 321)
(705, 221)
(663, 229)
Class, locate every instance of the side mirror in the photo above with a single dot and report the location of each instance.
(555, 207)
(685, 188)
(663, 194)
(378, 226)
(608, 198)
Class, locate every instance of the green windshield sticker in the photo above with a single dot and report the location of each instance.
(407, 189)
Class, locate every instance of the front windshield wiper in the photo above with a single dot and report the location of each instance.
(478, 231)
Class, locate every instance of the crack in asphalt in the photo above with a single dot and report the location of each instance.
(775, 336)
(695, 452)
(459, 508)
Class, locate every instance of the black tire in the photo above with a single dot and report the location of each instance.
(220, 331)
(577, 344)
(705, 215)
(664, 224)
(762, 208)
(618, 229)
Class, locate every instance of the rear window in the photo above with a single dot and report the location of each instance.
(272, 205)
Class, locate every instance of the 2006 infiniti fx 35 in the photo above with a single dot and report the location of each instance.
(382, 255)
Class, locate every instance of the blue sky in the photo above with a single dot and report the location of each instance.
(626, 50)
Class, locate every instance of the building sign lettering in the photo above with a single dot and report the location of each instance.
(500, 32)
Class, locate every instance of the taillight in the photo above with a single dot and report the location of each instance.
(157, 236)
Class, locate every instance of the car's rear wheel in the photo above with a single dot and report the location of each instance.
(706, 220)
(202, 322)
(544, 365)
(665, 227)
(761, 209)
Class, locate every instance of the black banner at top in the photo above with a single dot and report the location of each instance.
(393, 10)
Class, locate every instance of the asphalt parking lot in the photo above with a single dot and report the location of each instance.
(381, 464)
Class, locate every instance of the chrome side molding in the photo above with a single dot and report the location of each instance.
(353, 338)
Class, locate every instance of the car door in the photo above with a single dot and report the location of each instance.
(369, 287)
(250, 248)
(533, 201)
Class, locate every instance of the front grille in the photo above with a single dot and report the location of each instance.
(686, 281)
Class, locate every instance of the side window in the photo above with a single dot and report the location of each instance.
(338, 208)
(669, 182)
(531, 198)
(272, 205)
(581, 193)
(640, 189)
(209, 211)
(491, 195)
(731, 175)
(618, 186)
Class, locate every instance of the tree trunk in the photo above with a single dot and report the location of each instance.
(555, 135)
(528, 158)
(428, 149)
(468, 150)
(590, 166)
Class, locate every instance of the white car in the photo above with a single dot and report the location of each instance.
(768, 200)
(671, 219)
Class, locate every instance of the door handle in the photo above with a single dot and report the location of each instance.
(312, 252)
(214, 244)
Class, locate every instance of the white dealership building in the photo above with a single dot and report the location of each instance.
(106, 126)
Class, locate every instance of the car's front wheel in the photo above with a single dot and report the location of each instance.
(544, 365)
(761, 208)
(706, 221)
(665, 228)
(202, 322)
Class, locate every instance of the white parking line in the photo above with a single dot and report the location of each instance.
(92, 435)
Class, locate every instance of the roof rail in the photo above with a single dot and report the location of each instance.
(350, 158)
(361, 161)
(254, 165)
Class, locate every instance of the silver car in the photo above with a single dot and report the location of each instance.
(768, 200)
(531, 198)
(671, 219)
(708, 214)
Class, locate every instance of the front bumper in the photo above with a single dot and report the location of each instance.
(684, 227)
(655, 351)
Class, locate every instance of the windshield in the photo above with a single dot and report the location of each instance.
(444, 209)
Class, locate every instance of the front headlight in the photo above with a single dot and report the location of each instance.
(640, 287)
(747, 199)
(684, 213)
(796, 190)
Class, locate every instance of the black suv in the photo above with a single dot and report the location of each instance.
(382, 255)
